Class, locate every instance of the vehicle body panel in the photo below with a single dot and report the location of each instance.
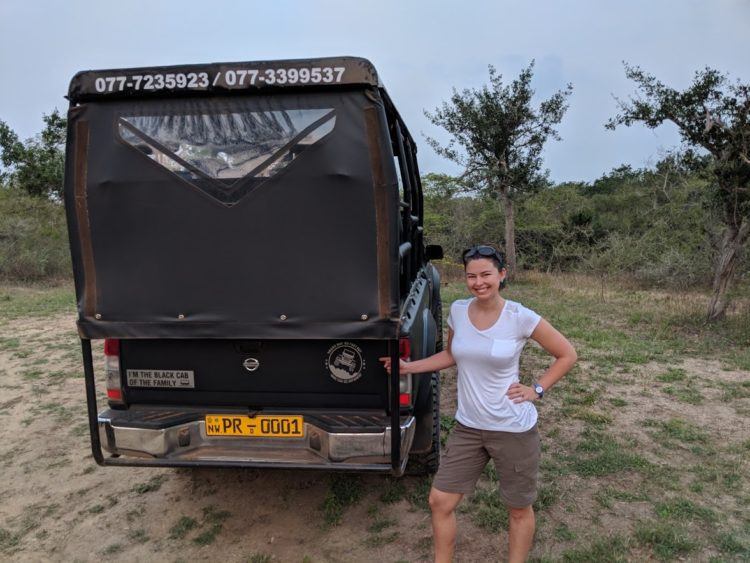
(254, 250)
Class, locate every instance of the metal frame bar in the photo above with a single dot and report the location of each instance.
(88, 372)
(396, 464)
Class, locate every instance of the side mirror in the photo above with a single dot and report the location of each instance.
(433, 252)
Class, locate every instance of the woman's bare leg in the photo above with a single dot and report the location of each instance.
(443, 506)
(520, 534)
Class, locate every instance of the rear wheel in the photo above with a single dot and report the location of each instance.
(428, 462)
(437, 313)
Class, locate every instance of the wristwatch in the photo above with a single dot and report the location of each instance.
(539, 390)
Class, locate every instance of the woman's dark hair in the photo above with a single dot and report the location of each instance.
(488, 252)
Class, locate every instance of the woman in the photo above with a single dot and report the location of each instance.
(496, 417)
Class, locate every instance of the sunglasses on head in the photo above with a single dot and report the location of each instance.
(483, 250)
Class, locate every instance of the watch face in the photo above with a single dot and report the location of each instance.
(539, 389)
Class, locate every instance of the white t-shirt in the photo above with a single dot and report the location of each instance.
(487, 362)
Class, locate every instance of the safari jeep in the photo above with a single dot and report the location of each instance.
(247, 241)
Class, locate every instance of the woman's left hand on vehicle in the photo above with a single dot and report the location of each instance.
(519, 393)
(403, 367)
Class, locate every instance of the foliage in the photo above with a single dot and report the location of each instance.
(655, 226)
(455, 218)
(497, 135)
(712, 115)
(499, 132)
(33, 238)
(35, 166)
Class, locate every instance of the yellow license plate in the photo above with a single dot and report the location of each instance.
(264, 426)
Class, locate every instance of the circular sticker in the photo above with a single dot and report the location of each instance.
(344, 362)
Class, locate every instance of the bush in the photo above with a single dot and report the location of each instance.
(33, 238)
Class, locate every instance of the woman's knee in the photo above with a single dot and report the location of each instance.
(518, 514)
(442, 502)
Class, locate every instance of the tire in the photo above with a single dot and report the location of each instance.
(428, 463)
(437, 313)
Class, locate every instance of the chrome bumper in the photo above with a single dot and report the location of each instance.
(187, 441)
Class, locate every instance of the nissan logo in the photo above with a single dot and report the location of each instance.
(251, 364)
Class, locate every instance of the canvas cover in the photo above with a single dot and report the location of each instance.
(251, 215)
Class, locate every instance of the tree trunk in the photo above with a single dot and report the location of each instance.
(729, 253)
(510, 232)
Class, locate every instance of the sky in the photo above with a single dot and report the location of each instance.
(422, 50)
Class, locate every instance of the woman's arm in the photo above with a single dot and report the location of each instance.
(436, 362)
(565, 356)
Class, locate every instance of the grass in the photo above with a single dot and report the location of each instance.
(674, 432)
(344, 490)
(684, 510)
(380, 540)
(138, 536)
(728, 542)
(621, 478)
(8, 540)
(666, 539)
(597, 321)
(487, 509)
(719, 474)
(9, 343)
(135, 513)
(378, 534)
(447, 423)
(17, 302)
(153, 484)
(30, 519)
(735, 390)
(607, 495)
(587, 415)
(394, 490)
(112, 549)
(58, 412)
(182, 527)
(686, 394)
(601, 454)
(381, 524)
(213, 521)
(563, 533)
(603, 550)
(547, 495)
(672, 375)
(418, 494)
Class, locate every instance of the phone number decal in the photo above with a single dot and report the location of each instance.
(232, 79)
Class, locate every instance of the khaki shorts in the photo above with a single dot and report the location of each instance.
(516, 457)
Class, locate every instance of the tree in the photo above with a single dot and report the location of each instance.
(498, 136)
(714, 115)
(37, 165)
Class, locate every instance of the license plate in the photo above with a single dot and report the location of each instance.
(161, 378)
(264, 426)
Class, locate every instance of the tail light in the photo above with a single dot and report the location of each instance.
(405, 382)
(112, 370)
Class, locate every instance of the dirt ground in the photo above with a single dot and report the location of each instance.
(57, 504)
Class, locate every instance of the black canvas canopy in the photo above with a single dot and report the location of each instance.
(268, 211)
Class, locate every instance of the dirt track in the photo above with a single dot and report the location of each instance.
(57, 503)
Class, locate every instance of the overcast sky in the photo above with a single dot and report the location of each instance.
(421, 49)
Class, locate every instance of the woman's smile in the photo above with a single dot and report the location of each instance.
(483, 278)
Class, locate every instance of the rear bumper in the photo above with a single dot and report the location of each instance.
(169, 436)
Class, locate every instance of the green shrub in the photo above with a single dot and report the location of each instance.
(33, 238)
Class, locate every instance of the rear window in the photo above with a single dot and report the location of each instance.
(224, 148)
